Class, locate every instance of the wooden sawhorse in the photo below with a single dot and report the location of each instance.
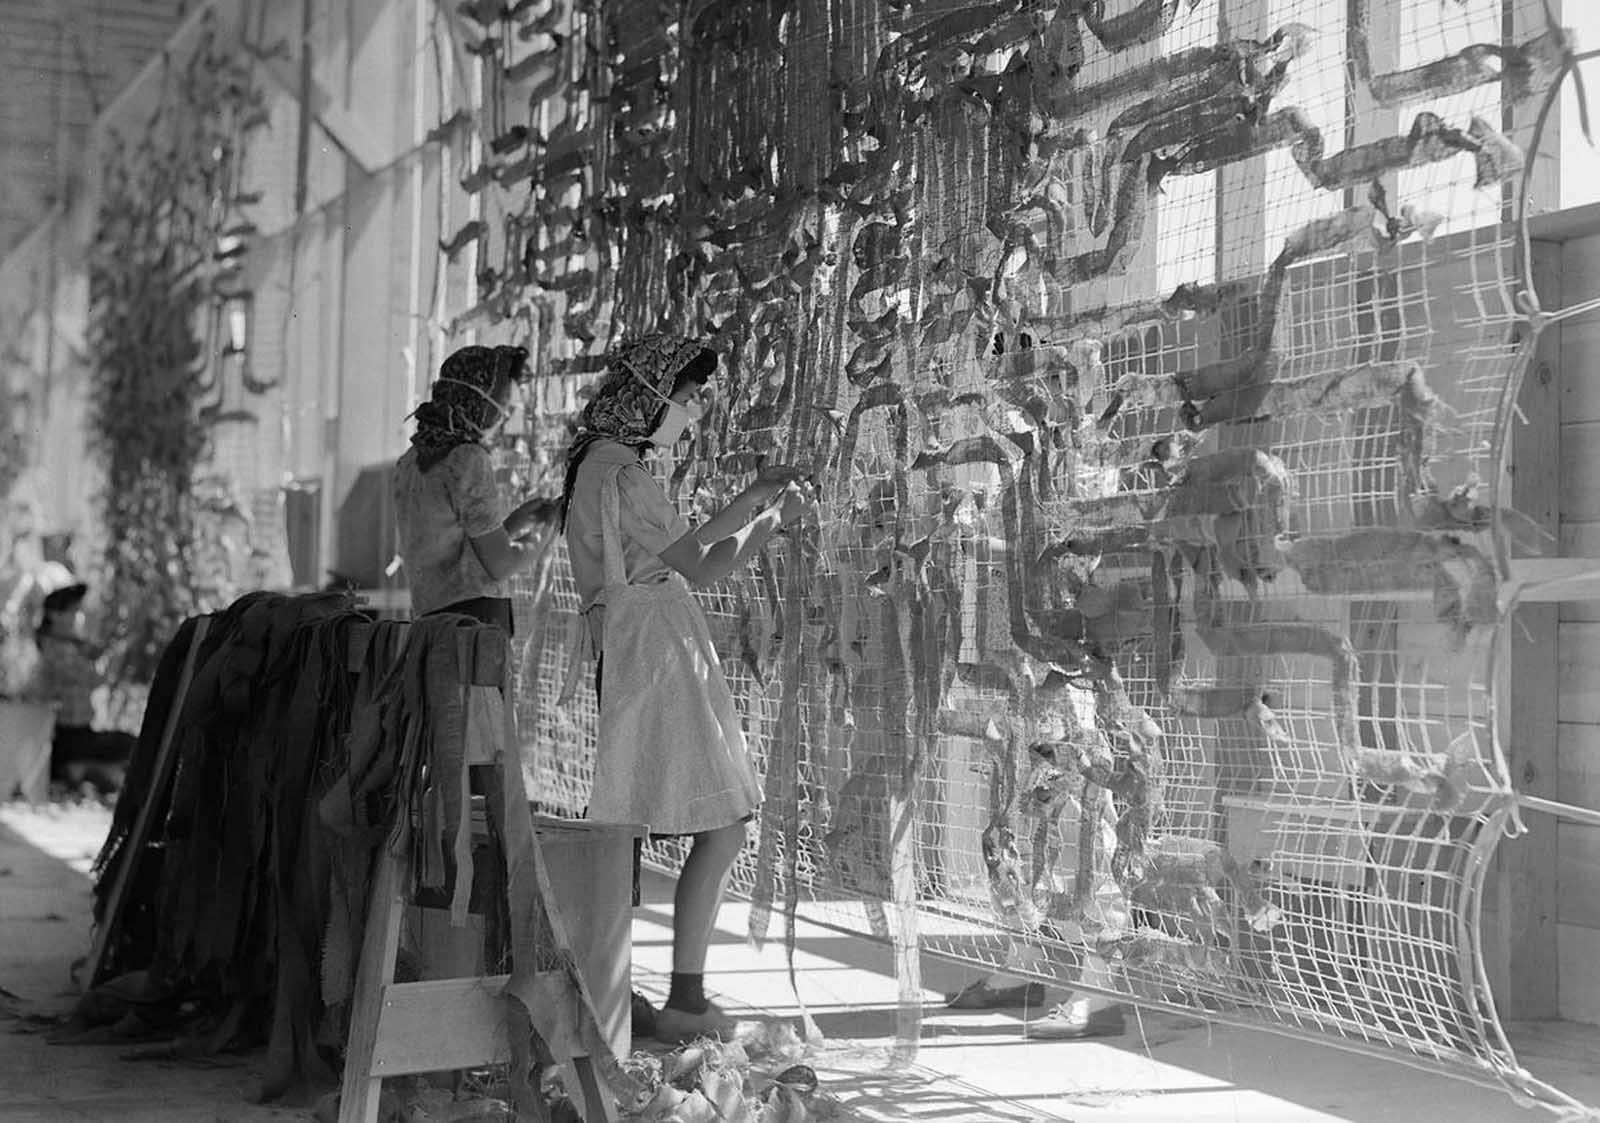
(398, 1029)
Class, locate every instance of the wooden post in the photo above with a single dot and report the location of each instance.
(1241, 246)
(363, 1080)
(1376, 628)
(1519, 23)
(1523, 973)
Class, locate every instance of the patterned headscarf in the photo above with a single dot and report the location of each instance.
(623, 408)
(462, 407)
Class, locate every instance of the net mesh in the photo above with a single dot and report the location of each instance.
(1154, 361)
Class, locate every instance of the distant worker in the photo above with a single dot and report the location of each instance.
(67, 676)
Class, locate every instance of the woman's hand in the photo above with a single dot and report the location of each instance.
(732, 536)
(531, 515)
(797, 501)
(772, 480)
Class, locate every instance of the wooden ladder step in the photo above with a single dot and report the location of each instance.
(440, 1024)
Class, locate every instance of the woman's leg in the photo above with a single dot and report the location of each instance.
(699, 895)
(686, 1012)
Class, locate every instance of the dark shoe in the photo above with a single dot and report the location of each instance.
(981, 996)
(1066, 1023)
(644, 1016)
(674, 1027)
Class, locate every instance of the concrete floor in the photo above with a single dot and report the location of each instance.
(45, 855)
(970, 1066)
(1167, 1069)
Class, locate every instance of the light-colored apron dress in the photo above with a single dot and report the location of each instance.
(671, 749)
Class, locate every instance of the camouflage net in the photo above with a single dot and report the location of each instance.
(1156, 370)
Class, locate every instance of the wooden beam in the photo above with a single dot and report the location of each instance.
(1555, 580)
(1524, 973)
(1533, 581)
(150, 71)
(408, 1037)
(483, 656)
(1565, 225)
(1379, 630)
(343, 127)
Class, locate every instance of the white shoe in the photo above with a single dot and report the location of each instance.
(674, 1027)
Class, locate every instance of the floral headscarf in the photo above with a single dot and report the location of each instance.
(623, 408)
(462, 406)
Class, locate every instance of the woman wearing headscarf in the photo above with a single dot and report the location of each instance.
(671, 750)
(66, 676)
(456, 542)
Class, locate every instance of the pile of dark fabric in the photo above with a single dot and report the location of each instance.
(408, 752)
(219, 941)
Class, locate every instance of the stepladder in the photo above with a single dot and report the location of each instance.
(431, 1025)
(540, 1012)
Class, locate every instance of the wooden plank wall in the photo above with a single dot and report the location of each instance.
(60, 65)
(1578, 707)
(1524, 889)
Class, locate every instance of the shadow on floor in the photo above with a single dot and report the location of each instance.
(45, 854)
(1166, 1067)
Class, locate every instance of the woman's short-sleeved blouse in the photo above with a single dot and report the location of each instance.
(646, 519)
(438, 512)
(67, 676)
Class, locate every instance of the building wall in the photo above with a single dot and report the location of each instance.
(350, 298)
(1578, 845)
(61, 65)
(44, 355)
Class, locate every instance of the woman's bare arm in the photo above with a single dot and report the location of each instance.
(501, 557)
(711, 551)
